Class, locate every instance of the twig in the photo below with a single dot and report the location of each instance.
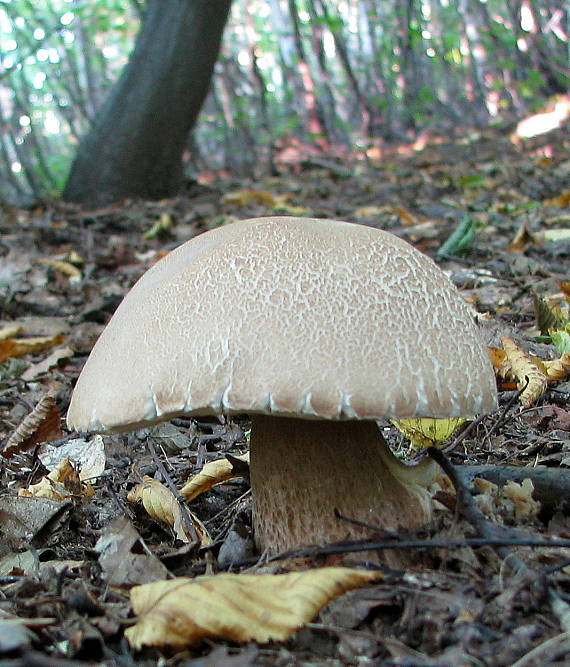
(465, 503)
(545, 649)
(502, 417)
(357, 546)
(179, 499)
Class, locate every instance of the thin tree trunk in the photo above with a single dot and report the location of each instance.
(135, 147)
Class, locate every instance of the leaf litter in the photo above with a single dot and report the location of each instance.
(74, 570)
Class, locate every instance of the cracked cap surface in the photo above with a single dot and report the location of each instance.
(288, 316)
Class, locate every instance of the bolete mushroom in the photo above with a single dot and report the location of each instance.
(316, 328)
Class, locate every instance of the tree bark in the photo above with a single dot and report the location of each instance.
(135, 146)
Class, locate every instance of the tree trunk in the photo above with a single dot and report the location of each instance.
(135, 146)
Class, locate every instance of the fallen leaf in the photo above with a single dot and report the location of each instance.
(9, 332)
(161, 504)
(61, 483)
(427, 431)
(124, 556)
(87, 456)
(554, 369)
(548, 315)
(242, 197)
(63, 267)
(497, 357)
(42, 424)
(162, 226)
(43, 367)
(460, 240)
(18, 347)
(530, 379)
(239, 607)
(23, 518)
(562, 200)
(211, 474)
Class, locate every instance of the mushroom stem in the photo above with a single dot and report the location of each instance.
(301, 470)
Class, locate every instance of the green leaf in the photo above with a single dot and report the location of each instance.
(460, 239)
(561, 340)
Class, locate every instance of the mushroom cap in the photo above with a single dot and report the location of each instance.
(287, 316)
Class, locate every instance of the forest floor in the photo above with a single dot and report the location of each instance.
(64, 595)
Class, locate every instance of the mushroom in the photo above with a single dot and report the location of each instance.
(317, 329)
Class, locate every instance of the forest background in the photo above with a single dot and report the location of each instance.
(343, 76)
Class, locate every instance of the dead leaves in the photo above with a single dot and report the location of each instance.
(280, 203)
(211, 474)
(42, 424)
(239, 607)
(161, 504)
(531, 381)
(530, 373)
(61, 483)
(425, 432)
(183, 612)
(18, 347)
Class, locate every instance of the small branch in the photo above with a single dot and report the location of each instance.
(465, 503)
(179, 499)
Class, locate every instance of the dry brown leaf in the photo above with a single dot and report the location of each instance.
(556, 369)
(562, 200)
(548, 315)
(161, 504)
(211, 474)
(239, 607)
(42, 424)
(497, 356)
(62, 482)
(18, 347)
(43, 367)
(522, 238)
(529, 377)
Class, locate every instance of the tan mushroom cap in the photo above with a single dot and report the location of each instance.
(287, 316)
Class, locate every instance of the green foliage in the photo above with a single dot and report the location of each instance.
(60, 58)
(460, 240)
(561, 340)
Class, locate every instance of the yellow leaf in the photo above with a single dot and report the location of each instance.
(528, 375)
(9, 332)
(211, 474)
(239, 607)
(242, 197)
(556, 369)
(562, 200)
(427, 431)
(369, 211)
(161, 504)
(62, 482)
(63, 267)
(161, 226)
